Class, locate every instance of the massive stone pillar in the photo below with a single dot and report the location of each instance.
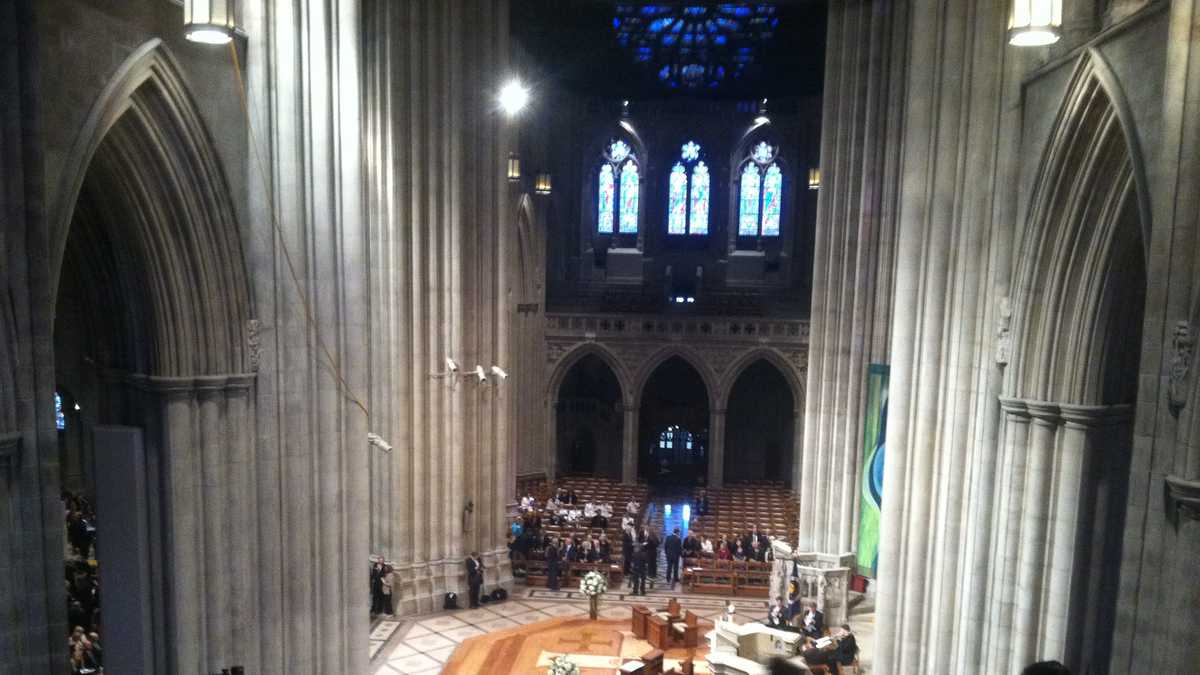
(308, 248)
(936, 463)
(442, 240)
(852, 260)
(716, 448)
(629, 445)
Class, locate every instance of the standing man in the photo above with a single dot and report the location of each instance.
(552, 565)
(627, 550)
(674, 548)
(639, 568)
(652, 543)
(474, 578)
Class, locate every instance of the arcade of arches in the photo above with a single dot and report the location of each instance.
(273, 309)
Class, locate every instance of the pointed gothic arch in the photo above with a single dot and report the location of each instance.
(145, 139)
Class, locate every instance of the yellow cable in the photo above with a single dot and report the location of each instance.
(287, 256)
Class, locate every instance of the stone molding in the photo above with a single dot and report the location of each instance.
(1067, 414)
(1183, 499)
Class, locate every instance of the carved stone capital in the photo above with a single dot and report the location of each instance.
(1181, 365)
(1183, 499)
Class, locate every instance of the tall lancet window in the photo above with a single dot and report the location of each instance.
(617, 186)
(688, 193)
(760, 198)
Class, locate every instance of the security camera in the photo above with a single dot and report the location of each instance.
(480, 373)
(377, 441)
(451, 366)
(499, 372)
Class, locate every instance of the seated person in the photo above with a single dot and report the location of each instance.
(572, 498)
(1046, 668)
(627, 522)
(589, 510)
(777, 615)
(589, 553)
(605, 549)
(738, 552)
(632, 507)
(691, 546)
(606, 510)
(812, 623)
(725, 553)
(835, 651)
(706, 547)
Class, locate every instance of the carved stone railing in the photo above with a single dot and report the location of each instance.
(740, 329)
(823, 578)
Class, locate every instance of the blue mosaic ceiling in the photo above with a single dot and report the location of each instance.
(695, 46)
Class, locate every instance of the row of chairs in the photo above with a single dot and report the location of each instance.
(729, 577)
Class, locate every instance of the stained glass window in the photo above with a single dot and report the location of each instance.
(760, 194)
(748, 204)
(629, 198)
(617, 199)
(699, 215)
(772, 198)
(604, 217)
(60, 418)
(695, 45)
(677, 201)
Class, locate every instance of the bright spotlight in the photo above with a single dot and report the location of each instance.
(687, 512)
(514, 97)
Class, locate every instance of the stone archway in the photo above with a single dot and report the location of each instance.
(551, 395)
(154, 324)
(1070, 391)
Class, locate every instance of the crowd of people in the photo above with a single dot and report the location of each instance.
(752, 545)
(82, 585)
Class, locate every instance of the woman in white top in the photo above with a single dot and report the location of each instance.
(706, 546)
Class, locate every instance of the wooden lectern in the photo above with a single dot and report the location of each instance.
(658, 632)
(641, 617)
(654, 662)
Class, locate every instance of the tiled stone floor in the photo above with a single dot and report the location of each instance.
(421, 645)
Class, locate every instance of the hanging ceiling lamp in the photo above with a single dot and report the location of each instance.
(542, 184)
(814, 178)
(1035, 23)
(209, 21)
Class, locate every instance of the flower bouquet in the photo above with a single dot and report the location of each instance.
(560, 665)
(593, 585)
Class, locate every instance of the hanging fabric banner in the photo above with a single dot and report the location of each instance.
(874, 435)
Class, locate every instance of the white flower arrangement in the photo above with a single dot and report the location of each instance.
(593, 584)
(560, 665)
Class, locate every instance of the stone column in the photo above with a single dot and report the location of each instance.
(716, 448)
(852, 259)
(629, 445)
(939, 388)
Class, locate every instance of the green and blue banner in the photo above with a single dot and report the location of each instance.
(874, 437)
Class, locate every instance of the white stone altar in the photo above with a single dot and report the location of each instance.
(745, 649)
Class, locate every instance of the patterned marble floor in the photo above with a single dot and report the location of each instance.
(422, 645)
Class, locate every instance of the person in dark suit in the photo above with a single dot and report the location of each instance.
(847, 648)
(673, 547)
(627, 551)
(474, 577)
(552, 561)
(812, 623)
(652, 543)
(639, 568)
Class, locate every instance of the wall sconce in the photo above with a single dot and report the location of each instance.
(814, 178)
(209, 22)
(762, 113)
(1035, 23)
(514, 167)
(542, 184)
